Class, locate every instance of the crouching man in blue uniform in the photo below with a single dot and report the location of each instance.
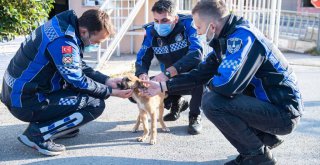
(48, 85)
(253, 95)
(174, 42)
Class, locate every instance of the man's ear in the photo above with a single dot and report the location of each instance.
(83, 31)
(176, 19)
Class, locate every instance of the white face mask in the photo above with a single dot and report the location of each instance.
(91, 47)
(204, 38)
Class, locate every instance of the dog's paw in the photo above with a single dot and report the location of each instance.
(166, 129)
(153, 141)
(141, 139)
(134, 130)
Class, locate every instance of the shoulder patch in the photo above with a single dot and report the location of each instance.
(67, 59)
(160, 42)
(179, 37)
(234, 45)
(66, 49)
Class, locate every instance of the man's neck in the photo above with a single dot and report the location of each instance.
(221, 24)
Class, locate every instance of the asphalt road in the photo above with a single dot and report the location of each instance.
(109, 139)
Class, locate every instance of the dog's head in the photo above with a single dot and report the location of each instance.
(131, 82)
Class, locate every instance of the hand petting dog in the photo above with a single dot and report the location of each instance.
(153, 88)
(113, 83)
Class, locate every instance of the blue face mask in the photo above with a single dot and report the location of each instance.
(163, 29)
(91, 47)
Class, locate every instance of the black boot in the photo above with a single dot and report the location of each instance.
(195, 126)
(176, 108)
(270, 140)
(265, 158)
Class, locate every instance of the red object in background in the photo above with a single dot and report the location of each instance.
(66, 49)
(316, 3)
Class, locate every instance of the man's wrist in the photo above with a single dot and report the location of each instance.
(163, 86)
(109, 91)
(107, 79)
(173, 71)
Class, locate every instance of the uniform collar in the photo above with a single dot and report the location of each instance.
(220, 44)
(228, 28)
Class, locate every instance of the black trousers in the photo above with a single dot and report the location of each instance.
(240, 119)
(61, 111)
(195, 101)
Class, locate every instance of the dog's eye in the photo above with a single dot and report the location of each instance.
(126, 79)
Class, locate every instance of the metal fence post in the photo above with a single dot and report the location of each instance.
(318, 41)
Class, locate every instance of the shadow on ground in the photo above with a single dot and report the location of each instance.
(119, 160)
(312, 104)
(93, 135)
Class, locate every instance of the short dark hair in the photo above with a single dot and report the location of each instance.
(164, 6)
(211, 8)
(95, 20)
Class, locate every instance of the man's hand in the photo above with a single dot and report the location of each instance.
(160, 77)
(112, 82)
(122, 93)
(143, 76)
(153, 88)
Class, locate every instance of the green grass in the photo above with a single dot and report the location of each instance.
(313, 52)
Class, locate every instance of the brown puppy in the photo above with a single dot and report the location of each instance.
(146, 105)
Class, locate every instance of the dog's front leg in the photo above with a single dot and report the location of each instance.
(136, 126)
(153, 139)
(163, 125)
(144, 117)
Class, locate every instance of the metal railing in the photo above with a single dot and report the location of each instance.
(122, 13)
(264, 14)
(299, 26)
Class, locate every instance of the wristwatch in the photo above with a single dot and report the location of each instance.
(167, 73)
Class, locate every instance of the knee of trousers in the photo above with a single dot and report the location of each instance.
(213, 103)
(95, 107)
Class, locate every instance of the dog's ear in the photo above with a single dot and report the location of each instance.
(133, 78)
(125, 79)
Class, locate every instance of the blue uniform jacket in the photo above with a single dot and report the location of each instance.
(49, 59)
(181, 48)
(244, 61)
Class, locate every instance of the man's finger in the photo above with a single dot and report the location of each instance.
(145, 81)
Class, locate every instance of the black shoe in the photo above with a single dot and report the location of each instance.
(270, 140)
(176, 109)
(32, 137)
(69, 135)
(167, 102)
(262, 159)
(195, 126)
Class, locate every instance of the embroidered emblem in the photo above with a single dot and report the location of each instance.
(160, 42)
(179, 38)
(234, 45)
(66, 49)
(67, 59)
